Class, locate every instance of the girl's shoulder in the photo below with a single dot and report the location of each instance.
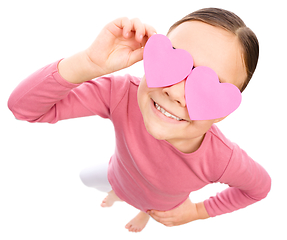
(220, 138)
(134, 80)
(125, 79)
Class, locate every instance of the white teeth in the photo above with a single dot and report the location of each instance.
(166, 113)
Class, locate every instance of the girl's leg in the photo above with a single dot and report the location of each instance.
(97, 177)
(110, 199)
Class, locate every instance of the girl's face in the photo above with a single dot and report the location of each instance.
(209, 46)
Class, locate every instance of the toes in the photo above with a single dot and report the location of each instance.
(131, 228)
(128, 226)
(137, 230)
(103, 204)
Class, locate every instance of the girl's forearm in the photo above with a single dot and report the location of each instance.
(78, 68)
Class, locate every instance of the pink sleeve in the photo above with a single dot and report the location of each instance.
(46, 97)
(248, 183)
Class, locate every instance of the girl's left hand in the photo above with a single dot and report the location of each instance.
(185, 213)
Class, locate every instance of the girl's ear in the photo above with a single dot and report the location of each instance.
(219, 119)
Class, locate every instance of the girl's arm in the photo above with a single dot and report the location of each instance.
(119, 45)
(46, 97)
(184, 213)
(56, 92)
(248, 183)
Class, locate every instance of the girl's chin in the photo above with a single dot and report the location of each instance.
(156, 131)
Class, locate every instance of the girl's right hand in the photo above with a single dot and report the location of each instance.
(119, 45)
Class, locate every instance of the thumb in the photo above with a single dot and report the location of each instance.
(136, 56)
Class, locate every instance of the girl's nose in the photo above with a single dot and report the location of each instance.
(176, 93)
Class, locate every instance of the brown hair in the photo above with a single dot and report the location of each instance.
(232, 23)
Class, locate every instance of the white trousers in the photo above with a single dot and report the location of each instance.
(96, 177)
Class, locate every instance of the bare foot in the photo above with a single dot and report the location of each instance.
(138, 223)
(110, 199)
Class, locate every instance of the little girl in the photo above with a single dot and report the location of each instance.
(162, 154)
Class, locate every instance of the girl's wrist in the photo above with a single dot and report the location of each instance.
(201, 210)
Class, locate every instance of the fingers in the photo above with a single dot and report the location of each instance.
(141, 30)
(135, 27)
(160, 214)
(164, 218)
(149, 30)
(124, 24)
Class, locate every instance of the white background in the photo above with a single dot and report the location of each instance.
(41, 195)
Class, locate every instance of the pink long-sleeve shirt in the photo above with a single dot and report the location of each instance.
(145, 172)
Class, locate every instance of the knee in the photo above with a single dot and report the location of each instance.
(96, 177)
(84, 176)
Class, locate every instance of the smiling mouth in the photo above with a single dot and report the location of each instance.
(166, 113)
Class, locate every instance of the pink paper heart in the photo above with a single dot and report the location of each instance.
(207, 98)
(163, 65)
